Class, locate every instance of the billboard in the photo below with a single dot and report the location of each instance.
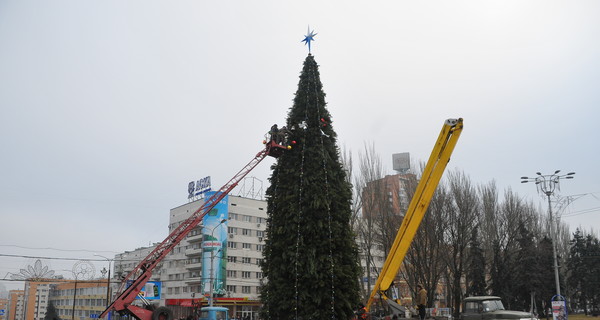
(214, 247)
(559, 310)
(197, 188)
(401, 161)
(151, 290)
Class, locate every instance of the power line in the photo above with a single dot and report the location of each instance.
(54, 258)
(580, 212)
(56, 249)
(248, 281)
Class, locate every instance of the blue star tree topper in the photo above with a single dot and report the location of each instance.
(309, 37)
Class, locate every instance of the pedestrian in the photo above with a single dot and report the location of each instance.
(421, 301)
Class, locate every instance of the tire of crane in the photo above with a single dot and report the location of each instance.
(162, 313)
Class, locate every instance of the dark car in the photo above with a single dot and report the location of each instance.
(490, 308)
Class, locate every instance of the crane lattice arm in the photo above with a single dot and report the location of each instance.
(418, 205)
(143, 271)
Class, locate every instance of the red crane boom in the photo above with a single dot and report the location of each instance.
(123, 302)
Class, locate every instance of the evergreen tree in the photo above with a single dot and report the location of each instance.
(476, 268)
(584, 267)
(577, 271)
(310, 258)
(51, 313)
(546, 288)
(526, 270)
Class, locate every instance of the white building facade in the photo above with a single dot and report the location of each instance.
(180, 273)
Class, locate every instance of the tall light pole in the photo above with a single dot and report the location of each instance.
(547, 184)
(108, 279)
(85, 270)
(74, 297)
(212, 257)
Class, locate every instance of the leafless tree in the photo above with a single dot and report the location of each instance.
(491, 226)
(347, 163)
(369, 191)
(425, 260)
(463, 217)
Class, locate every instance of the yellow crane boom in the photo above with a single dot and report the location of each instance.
(418, 205)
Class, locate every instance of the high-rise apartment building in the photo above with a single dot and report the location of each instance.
(384, 203)
(78, 299)
(16, 305)
(236, 260)
(36, 297)
(3, 308)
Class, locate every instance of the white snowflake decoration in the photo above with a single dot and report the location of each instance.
(33, 273)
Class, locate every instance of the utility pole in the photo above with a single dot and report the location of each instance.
(547, 184)
(108, 279)
(212, 266)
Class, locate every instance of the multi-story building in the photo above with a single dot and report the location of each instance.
(78, 299)
(36, 299)
(388, 195)
(3, 308)
(16, 305)
(181, 272)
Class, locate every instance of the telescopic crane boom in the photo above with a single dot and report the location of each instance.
(432, 174)
(143, 271)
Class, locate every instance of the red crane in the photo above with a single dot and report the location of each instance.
(143, 271)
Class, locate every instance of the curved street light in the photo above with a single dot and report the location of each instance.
(108, 279)
(547, 184)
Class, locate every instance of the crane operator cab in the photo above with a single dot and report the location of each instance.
(277, 141)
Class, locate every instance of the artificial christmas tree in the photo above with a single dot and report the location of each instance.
(310, 258)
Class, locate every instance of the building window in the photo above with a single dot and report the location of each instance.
(232, 259)
(259, 275)
(259, 261)
(245, 232)
(231, 244)
(260, 247)
(232, 230)
(246, 260)
(232, 273)
(246, 289)
(246, 274)
(260, 233)
(246, 245)
(231, 289)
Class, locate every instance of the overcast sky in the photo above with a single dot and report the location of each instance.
(109, 108)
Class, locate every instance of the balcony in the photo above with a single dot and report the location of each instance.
(193, 252)
(194, 280)
(196, 265)
(195, 238)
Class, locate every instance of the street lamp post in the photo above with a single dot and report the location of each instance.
(212, 257)
(547, 184)
(74, 298)
(108, 279)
